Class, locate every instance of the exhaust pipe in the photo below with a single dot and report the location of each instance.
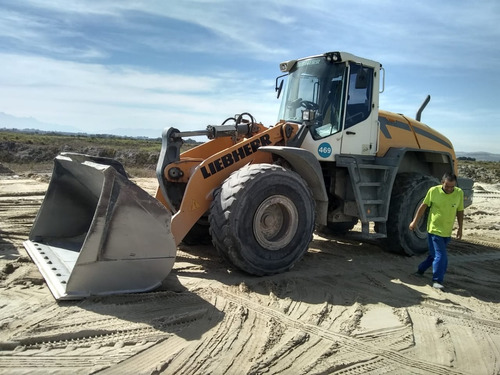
(422, 106)
(98, 233)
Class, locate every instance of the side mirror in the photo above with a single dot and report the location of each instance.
(279, 87)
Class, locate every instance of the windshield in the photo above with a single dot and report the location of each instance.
(317, 85)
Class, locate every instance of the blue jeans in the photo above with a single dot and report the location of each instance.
(437, 258)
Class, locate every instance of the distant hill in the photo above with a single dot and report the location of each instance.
(9, 121)
(30, 124)
(479, 155)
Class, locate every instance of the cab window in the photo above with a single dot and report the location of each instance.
(359, 99)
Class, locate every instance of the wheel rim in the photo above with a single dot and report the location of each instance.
(421, 227)
(275, 222)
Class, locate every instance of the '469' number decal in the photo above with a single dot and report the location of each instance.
(324, 150)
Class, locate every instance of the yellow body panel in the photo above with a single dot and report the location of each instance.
(395, 131)
(398, 131)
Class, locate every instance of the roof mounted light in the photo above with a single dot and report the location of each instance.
(287, 65)
(333, 57)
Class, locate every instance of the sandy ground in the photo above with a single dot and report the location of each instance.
(346, 308)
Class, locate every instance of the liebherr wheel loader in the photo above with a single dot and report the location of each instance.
(333, 159)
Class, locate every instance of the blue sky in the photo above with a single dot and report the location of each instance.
(136, 67)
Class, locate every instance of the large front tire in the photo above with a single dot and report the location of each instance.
(262, 219)
(408, 194)
(198, 234)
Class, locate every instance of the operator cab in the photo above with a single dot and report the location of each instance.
(330, 94)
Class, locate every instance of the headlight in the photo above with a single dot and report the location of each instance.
(308, 115)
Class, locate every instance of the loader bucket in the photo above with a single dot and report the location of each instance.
(98, 233)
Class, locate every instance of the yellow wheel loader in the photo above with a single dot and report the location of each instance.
(333, 159)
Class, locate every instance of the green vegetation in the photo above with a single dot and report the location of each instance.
(480, 171)
(492, 166)
(24, 151)
(60, 140)
(32, 150)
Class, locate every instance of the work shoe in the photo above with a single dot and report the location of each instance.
(418, 274)
(436, 285)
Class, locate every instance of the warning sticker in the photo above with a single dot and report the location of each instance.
(194, 205)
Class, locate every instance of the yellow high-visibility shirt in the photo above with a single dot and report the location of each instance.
(443, 209)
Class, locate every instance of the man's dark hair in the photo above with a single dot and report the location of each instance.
(449, 176)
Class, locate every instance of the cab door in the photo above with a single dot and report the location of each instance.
(359, 135)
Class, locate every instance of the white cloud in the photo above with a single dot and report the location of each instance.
(390, 31)
(59, 66)
(95, 97)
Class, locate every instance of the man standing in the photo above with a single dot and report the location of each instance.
(446, 202)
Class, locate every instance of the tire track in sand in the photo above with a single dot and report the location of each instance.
(298, 344)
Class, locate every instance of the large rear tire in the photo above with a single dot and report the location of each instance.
(262, 219)
(408, 194)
